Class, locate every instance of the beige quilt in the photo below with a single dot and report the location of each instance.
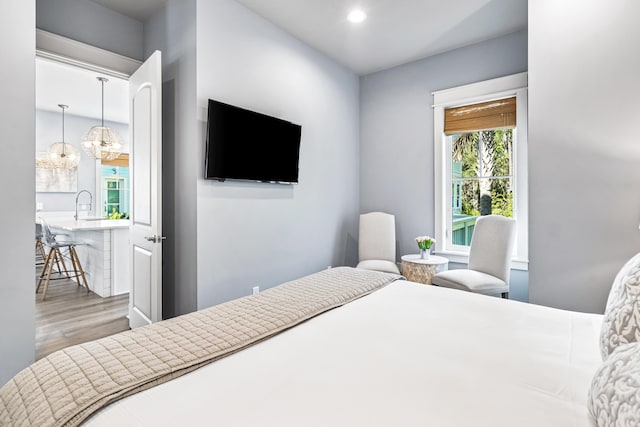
(66, 387)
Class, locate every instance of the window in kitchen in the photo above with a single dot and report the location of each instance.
(115, 188)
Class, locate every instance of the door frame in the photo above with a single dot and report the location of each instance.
(72, 52)
(67, 51)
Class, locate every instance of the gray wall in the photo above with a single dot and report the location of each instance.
(172, 31)
(48, 131)
(91, 23)
(259, 234)
(17, 124)
(396, 153)
(584, 149)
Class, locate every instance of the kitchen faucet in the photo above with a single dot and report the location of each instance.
(78, 196)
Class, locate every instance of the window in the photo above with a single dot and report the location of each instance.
(114, 199)
(480, 162)
(114, 177)
(481, 179)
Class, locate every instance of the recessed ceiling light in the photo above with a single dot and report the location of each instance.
(356, 16)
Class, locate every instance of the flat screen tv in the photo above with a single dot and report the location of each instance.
(246, 145)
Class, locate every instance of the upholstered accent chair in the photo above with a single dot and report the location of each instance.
(377, 242)
(489, 266)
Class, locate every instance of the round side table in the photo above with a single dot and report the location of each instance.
(416, 269)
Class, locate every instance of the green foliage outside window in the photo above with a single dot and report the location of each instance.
(114, 214)
(486, 172)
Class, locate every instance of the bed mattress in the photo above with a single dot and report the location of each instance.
(405, 355)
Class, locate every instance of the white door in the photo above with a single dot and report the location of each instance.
(145, 244)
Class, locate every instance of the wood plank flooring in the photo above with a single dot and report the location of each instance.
(72, 316)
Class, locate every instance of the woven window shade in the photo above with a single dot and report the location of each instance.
(121, 160)
(498, 114)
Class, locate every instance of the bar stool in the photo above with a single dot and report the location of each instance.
(55, 254)
(40, 250)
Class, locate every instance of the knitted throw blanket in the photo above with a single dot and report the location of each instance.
(67, 386)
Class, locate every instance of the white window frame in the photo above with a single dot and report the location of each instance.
(502, 87)
(105, 190)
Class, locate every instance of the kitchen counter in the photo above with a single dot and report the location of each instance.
(71, 224)
(103, 252)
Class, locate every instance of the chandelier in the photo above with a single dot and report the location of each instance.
(62, 155)
(102, 142)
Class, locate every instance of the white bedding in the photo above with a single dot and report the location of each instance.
(406, 355)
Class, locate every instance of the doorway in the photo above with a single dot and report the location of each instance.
(70, 315)
(140, 252)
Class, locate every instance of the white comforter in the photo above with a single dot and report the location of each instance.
(406, 355)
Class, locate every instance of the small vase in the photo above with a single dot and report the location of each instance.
(424, 253)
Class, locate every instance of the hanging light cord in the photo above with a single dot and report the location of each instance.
(102, 130)
(64, 146)
(102, 80)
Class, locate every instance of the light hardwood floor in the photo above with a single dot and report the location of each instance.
(71, 316)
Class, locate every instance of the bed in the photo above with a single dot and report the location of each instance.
(399, 353)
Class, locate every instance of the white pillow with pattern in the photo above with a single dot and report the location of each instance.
(614, 396)
(621, 321)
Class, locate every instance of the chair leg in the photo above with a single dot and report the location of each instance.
(74, 254)
(55, 257)
(47, 260)
(64, 266)
(48, 268)
(75, 268)
(505, 295)
(40, 247)
(43, 253)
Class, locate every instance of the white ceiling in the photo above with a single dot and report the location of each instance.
(58, 83)
(395, 32)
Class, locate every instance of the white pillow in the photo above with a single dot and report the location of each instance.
(614, 396)
(621, 321)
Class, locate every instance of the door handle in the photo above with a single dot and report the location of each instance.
(155, 239)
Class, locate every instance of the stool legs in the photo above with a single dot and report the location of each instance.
(78, 267)
(52, 256)
(40, 247)
(46, 271)
(61, 258)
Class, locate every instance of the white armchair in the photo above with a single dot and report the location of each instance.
(377, 242)
(489, 259)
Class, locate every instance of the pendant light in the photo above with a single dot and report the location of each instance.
(42, 160)
(102, 142)
(62, 155)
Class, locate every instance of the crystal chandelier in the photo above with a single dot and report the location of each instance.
(43, 161)
(62, 155)
(102, 142)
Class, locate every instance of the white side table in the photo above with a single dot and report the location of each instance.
(416, 269)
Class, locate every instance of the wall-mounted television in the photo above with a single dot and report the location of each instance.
(246, 145)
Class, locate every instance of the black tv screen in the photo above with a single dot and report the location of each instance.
(247, 145)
